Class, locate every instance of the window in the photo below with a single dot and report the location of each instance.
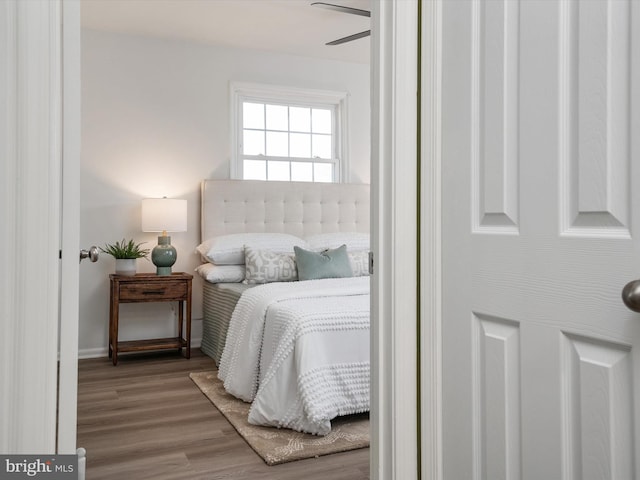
(288, 134)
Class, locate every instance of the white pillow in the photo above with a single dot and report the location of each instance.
(265, 266)
(221, 273)
(229, 249)
(353, 240)
(359, 262)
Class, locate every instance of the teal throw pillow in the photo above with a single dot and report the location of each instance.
(330, 263)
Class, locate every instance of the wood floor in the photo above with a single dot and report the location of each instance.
(145, 419)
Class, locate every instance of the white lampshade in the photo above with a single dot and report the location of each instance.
(164, 214)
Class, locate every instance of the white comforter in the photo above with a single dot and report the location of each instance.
(300, 352)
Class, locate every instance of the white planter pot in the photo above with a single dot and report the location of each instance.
(126, 266)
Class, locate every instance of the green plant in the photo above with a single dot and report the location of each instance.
(125, 249)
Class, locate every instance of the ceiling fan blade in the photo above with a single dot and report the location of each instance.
(340, 8)
(350, 38)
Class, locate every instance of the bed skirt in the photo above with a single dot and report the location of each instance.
(219, 302)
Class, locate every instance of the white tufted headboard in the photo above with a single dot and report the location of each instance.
(297, 208)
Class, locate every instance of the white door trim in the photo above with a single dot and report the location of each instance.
(394, 168)
(30, 136)
(8, 216)
(70, 241)
(430, 241)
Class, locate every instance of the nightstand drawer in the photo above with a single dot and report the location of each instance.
(148, 292)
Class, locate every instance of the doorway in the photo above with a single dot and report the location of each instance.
(106, 190)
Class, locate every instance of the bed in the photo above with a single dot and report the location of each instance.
(298, 350)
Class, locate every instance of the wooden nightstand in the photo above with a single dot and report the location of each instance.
(148, 287)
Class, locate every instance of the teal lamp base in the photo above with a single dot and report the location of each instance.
(164, 255)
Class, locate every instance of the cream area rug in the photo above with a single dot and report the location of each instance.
(276, 445)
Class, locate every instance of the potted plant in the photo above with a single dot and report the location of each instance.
(126, 254)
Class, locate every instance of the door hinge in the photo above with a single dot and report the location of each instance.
(370, 263)
(60, 254)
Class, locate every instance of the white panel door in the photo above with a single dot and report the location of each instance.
(541, 231)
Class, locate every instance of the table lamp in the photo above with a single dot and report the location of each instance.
(164, 215)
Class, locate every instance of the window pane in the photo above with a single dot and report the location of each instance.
(277, 144)
(253, 142)
(278, 171)
(322, 146)
(322, 172)
(252, 115)
(300, 119)
(286, 137)
(300, 145)
(277, 118)
(321, 120)
(302, 171)
(254, 170)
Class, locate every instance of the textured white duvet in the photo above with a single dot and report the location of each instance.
(300, 352)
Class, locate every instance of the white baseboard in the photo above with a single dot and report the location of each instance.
(92, 353)
(104, 352)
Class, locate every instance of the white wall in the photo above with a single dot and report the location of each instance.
(155, 122)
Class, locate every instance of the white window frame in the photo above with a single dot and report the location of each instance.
(261, 93)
